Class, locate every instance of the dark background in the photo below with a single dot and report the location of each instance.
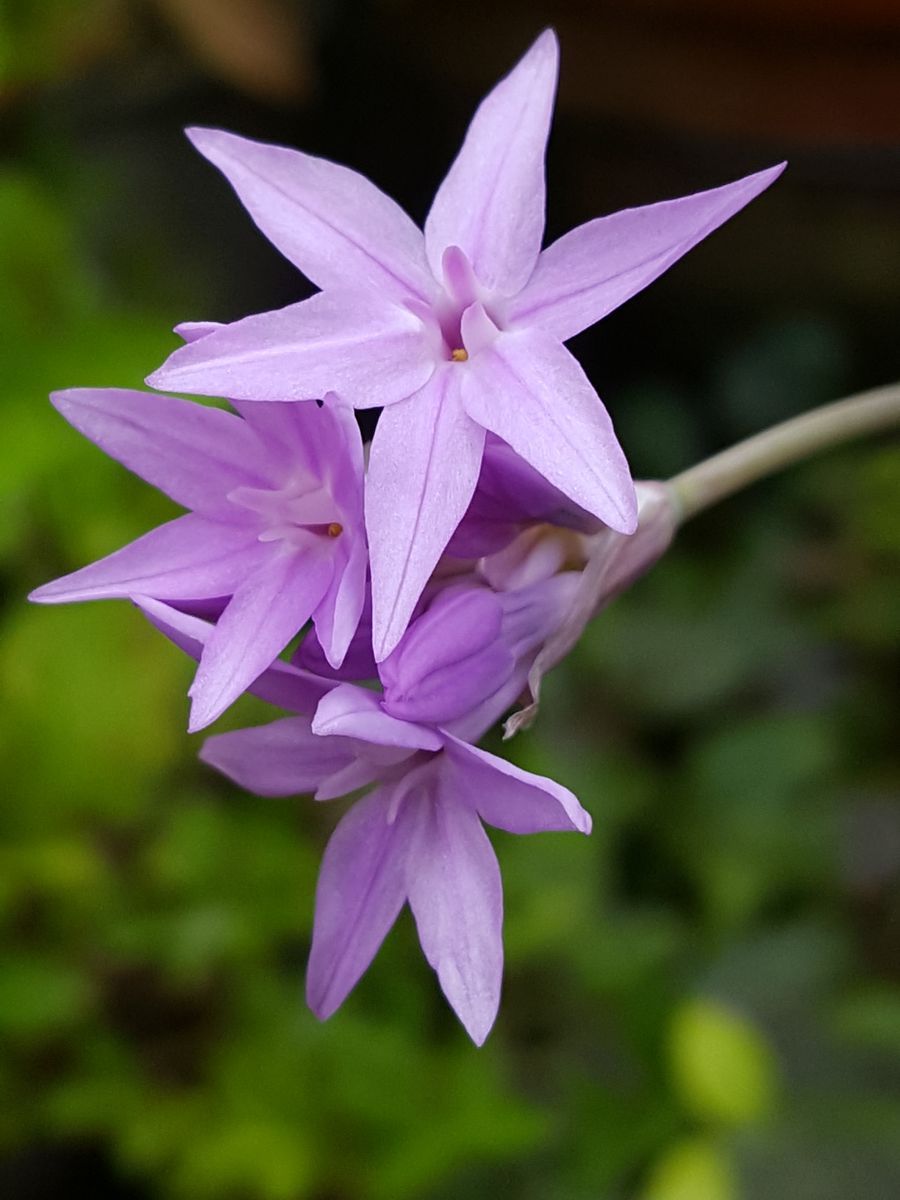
(702, 1001)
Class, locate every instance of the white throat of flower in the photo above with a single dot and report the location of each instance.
(301, 508)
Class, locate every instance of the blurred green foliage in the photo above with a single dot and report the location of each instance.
(720, 1064)
(693, 1169)
(701, 1001)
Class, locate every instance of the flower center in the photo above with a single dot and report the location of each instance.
(462, 291)
(300, 510)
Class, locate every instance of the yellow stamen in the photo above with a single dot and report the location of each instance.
(335, 530)
(459, 355)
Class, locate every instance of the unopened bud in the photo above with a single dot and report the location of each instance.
(449, 660)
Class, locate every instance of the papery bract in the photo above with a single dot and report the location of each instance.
(456, 332)
(611, 563)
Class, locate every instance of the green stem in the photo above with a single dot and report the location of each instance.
(713, 480)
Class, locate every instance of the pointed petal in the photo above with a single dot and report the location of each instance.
(192, 331)
(456, 897)
(508, 488)
(529, 390)
(322, 438)
(460, 281)
(355, 775)
(280, 759)
(188, 632)
(189, 558)
(337, 617)
(361, 890)
(282, 684)
(265, 612)
(372, 352)
(491, 204)
(423, 467)
(193, 453)
(506, 796)
(284, 429)
(478, 329)
(355, 712)
(332, 223)
(598, 266)
(342, 453)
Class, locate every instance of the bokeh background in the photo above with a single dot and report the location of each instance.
(702, 1001)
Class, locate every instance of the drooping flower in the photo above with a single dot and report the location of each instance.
(454, 333)
(276, 534)
(417, 836)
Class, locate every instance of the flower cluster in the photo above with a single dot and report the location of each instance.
(438, 580)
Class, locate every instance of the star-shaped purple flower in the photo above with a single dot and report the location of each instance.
(417, 836)
(276, 534)
(456, 332)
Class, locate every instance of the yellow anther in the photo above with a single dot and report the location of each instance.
(459, 355)
(335, 530)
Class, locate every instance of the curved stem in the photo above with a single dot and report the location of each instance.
(715, 478)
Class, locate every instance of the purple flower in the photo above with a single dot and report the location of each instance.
(276, 528)
(456, 332)
(418, 835)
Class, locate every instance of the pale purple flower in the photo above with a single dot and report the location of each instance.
(455, 332)
(417, 836)
(276, 534)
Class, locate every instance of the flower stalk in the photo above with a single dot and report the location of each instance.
(716, 478)
(614, 560)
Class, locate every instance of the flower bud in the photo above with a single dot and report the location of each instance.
(449, 660)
